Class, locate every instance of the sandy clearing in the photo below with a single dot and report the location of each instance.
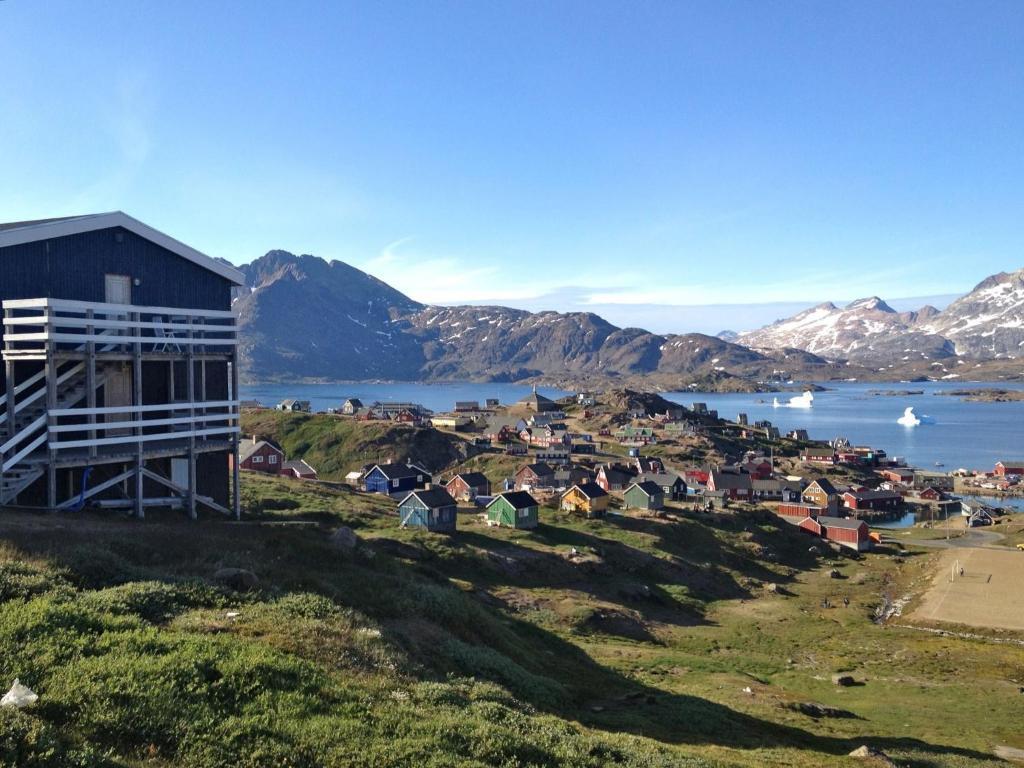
(989, 594)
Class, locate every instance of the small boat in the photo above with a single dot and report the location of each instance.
(939, 464)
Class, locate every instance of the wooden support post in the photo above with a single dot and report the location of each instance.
(190, 364)
(10, 383)
(236, 496)
(140, 510)
(51, 405)
(90, 380)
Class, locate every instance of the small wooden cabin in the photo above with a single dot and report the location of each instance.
(395, 478)
(257, 455)
(589, 498)
(645, 495)
(533, 476)
(299, 469)
(847, 532)
(430, 508)
(515, 509)
(468, 485)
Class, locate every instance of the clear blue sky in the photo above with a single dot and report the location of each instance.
(636, 158)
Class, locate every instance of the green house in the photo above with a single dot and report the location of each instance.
(646, 495)
(516, 509)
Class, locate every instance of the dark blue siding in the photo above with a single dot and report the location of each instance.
(73, 267)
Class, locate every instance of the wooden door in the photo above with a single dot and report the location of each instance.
(117, 390)
(118, 289)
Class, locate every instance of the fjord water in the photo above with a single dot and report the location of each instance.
(962, 434)
(957, 433)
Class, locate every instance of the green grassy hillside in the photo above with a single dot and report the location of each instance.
(624, 641)
(336, 446)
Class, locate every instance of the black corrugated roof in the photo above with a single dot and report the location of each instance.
(434, 497)
(518, 499)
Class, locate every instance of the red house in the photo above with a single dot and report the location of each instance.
(468, 485)
(872, 501)
(931, 494)
(614, 478)
(1004, 468)
(696, 476)
(903, 475)
(260, 456)
(818, 455)
(846, 532)
(299, 469)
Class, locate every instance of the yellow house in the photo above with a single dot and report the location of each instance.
(589, 498)
(821, 493)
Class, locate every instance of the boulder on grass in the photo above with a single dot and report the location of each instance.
(866, 752)
(345, 539)
(843, 680)
(238, 579)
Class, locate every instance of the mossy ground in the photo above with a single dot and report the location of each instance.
(623, 641)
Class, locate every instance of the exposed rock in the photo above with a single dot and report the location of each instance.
(843, 680)
(814, 709)
(345, 539)
(238, 579)
(866, 752)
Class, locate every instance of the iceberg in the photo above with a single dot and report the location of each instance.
(806, 400)
(908, 419)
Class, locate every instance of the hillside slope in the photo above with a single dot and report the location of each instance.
(626, 641)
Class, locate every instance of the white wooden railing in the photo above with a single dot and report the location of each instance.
(195, 421)
(32, 324)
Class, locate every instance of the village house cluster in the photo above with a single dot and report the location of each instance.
(831, 490)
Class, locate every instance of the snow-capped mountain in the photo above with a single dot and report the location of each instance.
(986, 323)
(866, 329)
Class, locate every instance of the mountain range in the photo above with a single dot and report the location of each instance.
(301, 317)
(985, 324)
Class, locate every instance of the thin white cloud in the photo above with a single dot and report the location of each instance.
(443, 279)
(128, 128)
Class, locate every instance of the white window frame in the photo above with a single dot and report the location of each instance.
(272, 458)
(257, 459)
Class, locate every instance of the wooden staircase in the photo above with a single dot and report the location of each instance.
(22, 465)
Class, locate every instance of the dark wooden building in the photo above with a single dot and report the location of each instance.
(120, 376)
(395, 478)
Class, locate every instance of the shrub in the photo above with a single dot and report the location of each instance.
(27, 741)
(21, 580)
(155, 601)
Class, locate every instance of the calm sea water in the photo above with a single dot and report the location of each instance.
(955, 434)
(436, 397)
(958, 433)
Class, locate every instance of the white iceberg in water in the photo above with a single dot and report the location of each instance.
(806, 400)
(908, 419)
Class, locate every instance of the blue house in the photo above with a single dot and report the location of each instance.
(432, 508)
(395, 478)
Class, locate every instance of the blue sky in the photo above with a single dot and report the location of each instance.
(675, 165)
